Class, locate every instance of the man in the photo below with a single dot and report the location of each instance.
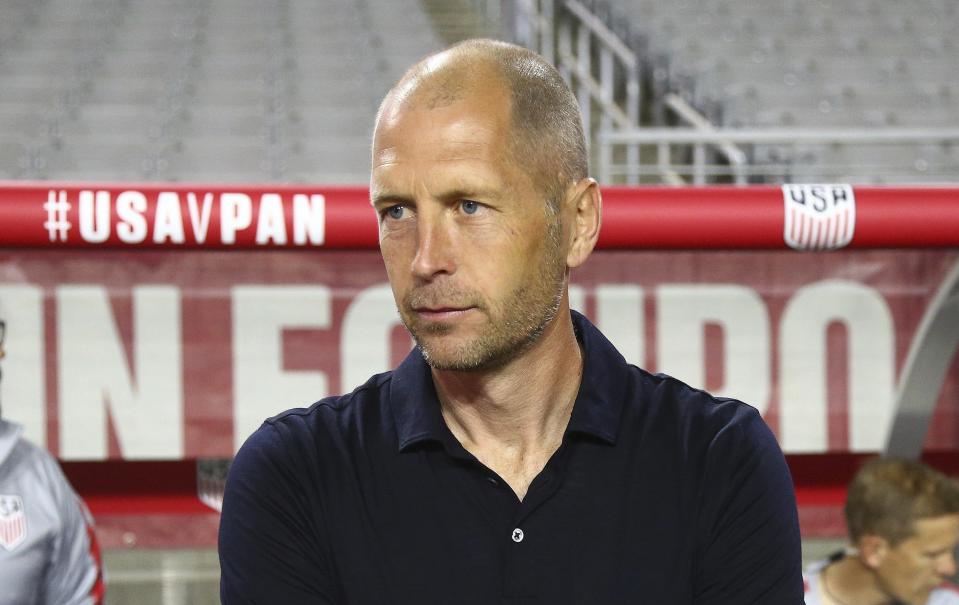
(903, 521)
(514, 456)
(48, 551)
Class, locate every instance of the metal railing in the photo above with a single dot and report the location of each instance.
(695, 141)
(686, 113)
(531, 23)
(603, 71)
(493, 11)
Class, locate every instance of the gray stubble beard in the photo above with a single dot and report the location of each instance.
(525, 319)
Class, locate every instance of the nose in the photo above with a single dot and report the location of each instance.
(435, 254)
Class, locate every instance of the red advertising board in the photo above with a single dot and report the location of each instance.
(160, 355)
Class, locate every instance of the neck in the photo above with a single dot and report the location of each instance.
(513, 418)
(849, 582)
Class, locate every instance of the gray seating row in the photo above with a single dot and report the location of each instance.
(849, 64)
(215, 90)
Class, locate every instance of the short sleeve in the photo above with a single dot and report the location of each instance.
(750, 549)
(270, 540)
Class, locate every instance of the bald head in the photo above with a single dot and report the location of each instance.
(546, 134)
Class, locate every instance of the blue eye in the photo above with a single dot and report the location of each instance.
(469, 206)
(395, 212)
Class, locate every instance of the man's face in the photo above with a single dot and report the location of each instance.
(910, 570)
(473, 258)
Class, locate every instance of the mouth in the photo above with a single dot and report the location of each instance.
(441, 313)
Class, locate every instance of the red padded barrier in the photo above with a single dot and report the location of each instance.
(177, 215)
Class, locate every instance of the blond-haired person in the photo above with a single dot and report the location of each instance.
(903, 520)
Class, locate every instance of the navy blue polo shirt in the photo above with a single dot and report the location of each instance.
(659, 494)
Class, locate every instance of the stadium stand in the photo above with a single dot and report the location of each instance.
(858, 64)
(209, 90)
(284, 91)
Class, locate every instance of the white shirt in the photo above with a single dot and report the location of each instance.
(48, 551)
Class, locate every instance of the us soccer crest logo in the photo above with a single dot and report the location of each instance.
(819, 217)
(13, 522)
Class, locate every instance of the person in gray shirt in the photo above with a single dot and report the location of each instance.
(48, 550)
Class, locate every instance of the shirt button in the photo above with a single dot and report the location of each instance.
(517, 535)
(492, 480)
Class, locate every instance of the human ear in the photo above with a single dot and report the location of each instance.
(872, 550)
(584, 205)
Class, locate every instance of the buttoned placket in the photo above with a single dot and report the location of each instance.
(518, 539)
(521, 538)
(518, 543)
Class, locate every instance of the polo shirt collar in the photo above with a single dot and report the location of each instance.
(596, 412)
(599, 403)
(415, 405)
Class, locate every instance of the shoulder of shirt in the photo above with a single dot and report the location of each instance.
(946, 593)
(702, 424)
(692, 399)
(810, 575)
(24, 447)
(28, 455)
(339, 403)
(810, 578)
